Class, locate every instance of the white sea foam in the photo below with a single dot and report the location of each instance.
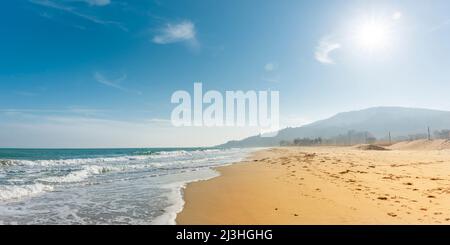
(79, 175)
(162, 176)
(91, 170)
(20, 191)
(173, 153)
(175, 197)
(81, 161)
(11, 162)
(84, 161)
(6, 162)
(147, 156)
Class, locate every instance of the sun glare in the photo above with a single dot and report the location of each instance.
(372, 35)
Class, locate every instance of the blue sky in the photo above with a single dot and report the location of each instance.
(100, 73)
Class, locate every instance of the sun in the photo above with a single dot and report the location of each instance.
(372, 35)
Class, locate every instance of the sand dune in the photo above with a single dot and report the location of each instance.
(325, 185)
(439, 144)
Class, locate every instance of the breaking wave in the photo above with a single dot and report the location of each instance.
(20, 191)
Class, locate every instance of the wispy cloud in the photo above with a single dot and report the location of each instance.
(270, 74)
(115, 83)
(271, 79)
(179, 32)
(270, 67)
(112, 83)
(323, 50)
(52, 18)
(73, 11)
(97, 2)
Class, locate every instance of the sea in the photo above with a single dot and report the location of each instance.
(102, 186)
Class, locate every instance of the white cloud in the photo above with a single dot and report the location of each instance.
(270, 75)
(73, 11)
(274, 79)
(180, 32)
(97, 2)
(324, 49)
(270, 67)
(113, 83)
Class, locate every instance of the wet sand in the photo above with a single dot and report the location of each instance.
(325, 185)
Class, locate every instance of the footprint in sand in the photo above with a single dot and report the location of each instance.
(392, 214)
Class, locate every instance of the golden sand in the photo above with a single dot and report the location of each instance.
(325, 185)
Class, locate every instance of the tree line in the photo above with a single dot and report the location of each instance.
(354, 137)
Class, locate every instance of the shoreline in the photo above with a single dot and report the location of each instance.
(178, 188)
(218, 174)
(176, 194)
(324, 185)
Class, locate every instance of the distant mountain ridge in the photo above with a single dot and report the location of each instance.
(379, 121)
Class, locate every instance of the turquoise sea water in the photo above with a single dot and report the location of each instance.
(102, 186)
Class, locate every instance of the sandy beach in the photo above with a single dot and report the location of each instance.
(325, 185)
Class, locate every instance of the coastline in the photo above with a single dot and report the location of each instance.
(134, 186)
(176, 193)
(324, 185)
